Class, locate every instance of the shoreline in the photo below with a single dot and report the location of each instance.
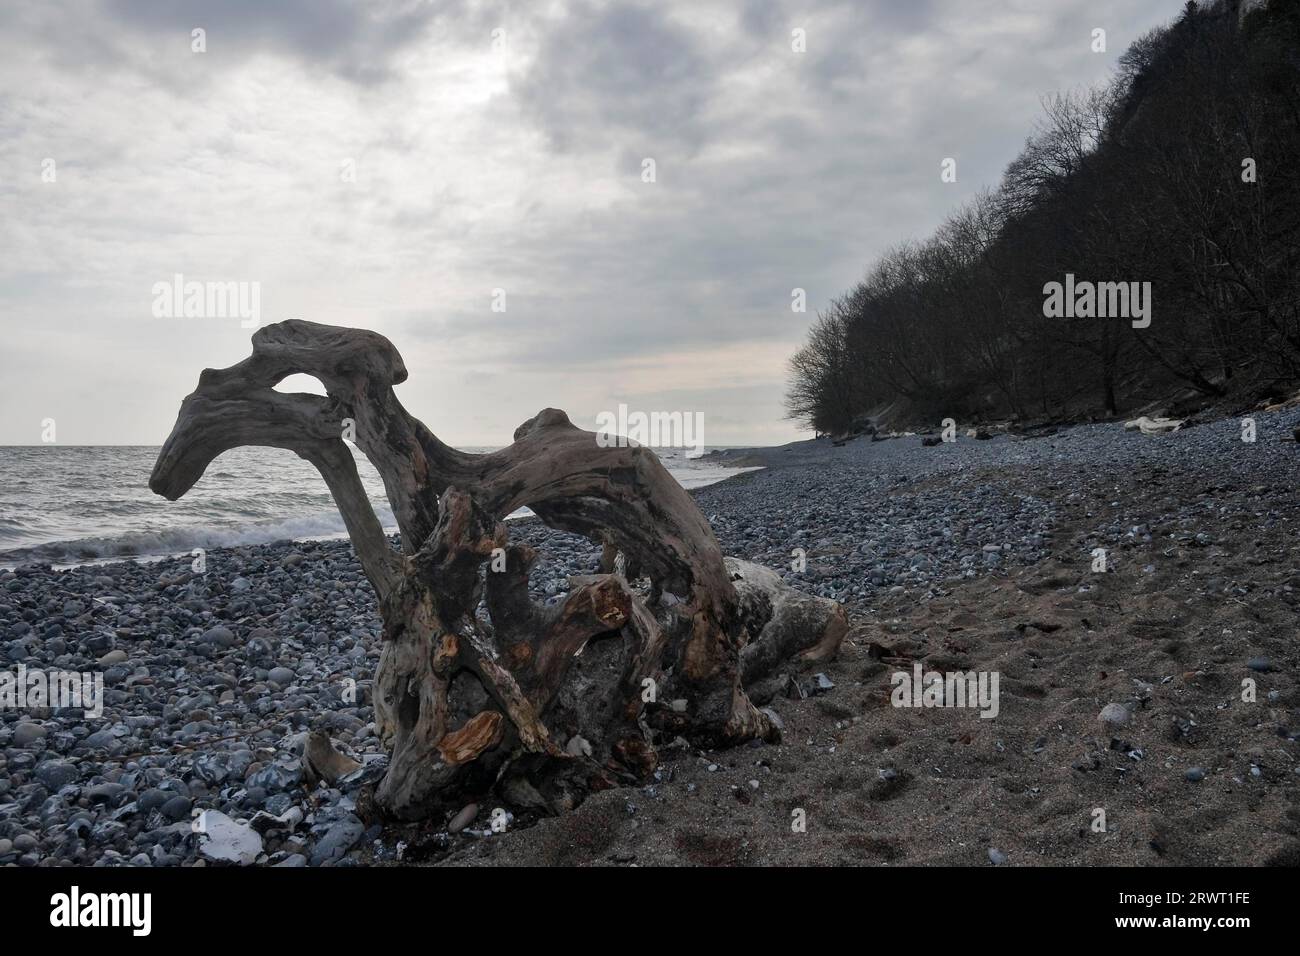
(9, 562)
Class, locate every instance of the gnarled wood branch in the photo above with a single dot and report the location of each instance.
(478, 686)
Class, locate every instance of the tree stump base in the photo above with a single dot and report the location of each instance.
(480, 689)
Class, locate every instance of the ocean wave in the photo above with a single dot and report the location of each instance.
(175, 541)
(700, 476)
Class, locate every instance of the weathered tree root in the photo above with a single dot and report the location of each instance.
(479, 687)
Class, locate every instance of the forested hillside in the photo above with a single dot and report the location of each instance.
(1181, 172)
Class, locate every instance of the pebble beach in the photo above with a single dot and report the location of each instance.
(1122, 688)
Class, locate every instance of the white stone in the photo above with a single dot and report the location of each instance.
(222, 840)
(1116, 715)
(1153, 426)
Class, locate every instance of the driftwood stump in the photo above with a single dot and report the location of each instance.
(479, 688)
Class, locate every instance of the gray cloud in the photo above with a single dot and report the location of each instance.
(479, 169)
(354, 40)
(618, 71)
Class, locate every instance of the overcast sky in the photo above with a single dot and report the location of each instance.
(512, 164)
